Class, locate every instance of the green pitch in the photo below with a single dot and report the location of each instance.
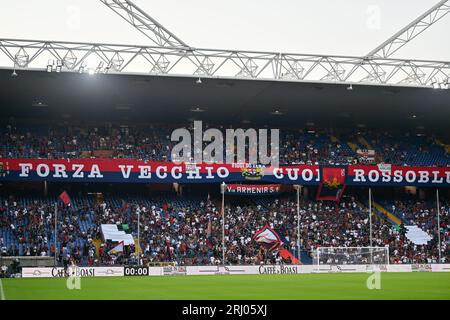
(301, 286)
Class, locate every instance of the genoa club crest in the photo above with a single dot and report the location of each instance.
(253, 172)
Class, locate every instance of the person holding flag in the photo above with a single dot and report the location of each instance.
(271, 241)
(64, 197)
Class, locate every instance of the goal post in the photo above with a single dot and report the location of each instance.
(351, 255)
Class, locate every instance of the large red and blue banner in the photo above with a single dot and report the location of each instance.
(136, 171)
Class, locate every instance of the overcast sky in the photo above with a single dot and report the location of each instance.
(344, 27)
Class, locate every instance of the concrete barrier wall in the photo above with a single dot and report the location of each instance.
(29, 261)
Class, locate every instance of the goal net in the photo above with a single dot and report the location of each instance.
(351, 255)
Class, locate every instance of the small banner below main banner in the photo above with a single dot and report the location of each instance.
(332, 184)
(253, 189)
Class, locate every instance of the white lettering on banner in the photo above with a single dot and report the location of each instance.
(92, 170)
(125, 174)
(437, 179)
(78, 171)
(386, 176)
(409, 176)
(60, 171)
(252, 189)
(292, 173)
(374, 175)
(423, 177)
(161, 172)
(398, 176)
(209, 176)
(25, 169)
(318, 175)
(359, 175)
(277, 172)
(95, 172)
(307, 175)
(145, 172)
(194, 174)
(222, 172)
(39, 170)
(174, 173)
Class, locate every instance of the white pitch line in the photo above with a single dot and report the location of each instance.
(2, 294)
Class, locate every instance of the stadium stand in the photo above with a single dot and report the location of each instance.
(318, 146)
(187, 231)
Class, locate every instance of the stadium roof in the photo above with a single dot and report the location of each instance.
(168, 55)
(177, 99)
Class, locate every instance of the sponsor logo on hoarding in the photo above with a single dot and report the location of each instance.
(278, 269)
(221, 270)
(80, 272)
(340, 268)
(376, 267)
(108, 272)
(174, 271)
(421, 268)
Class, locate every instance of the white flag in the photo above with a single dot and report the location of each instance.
(116, 249)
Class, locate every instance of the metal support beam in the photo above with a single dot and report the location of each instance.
(145, 24)
(275, 66)
(412, 30)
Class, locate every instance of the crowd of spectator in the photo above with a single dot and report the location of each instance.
(423, 214)
(69, 141)
(189, 231)
(153, 142)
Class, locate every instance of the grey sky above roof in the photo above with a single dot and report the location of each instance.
(341, 27)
